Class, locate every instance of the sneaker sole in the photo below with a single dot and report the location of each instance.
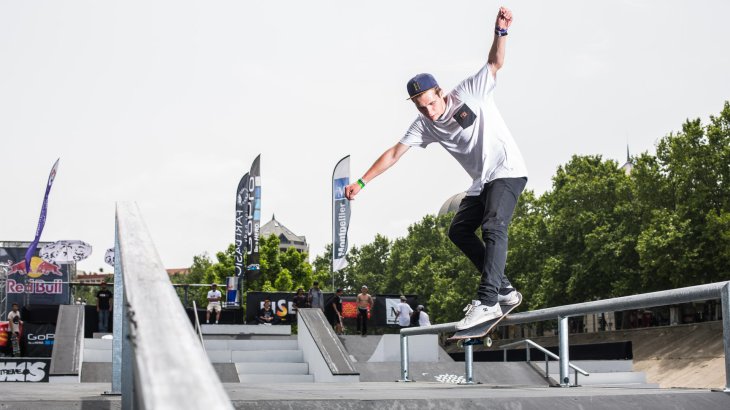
(457, 327)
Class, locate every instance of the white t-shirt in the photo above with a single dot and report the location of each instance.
(13, 327)
(480, 141)
(404, 315)
(423, 319)
(214, 294)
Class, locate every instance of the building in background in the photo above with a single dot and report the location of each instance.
(287, 238)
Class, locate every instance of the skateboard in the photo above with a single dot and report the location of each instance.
(479, 334)
(15, 344)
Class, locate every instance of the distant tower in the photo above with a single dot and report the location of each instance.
(628, 166)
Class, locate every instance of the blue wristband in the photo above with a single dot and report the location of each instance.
(501, 32)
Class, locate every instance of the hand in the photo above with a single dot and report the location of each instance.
(352, 190)
(504, 18)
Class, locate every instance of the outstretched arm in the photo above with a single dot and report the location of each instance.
(496, 53)
(385, 161)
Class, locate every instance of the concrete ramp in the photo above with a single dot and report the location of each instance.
(68, 344)
(323, 351)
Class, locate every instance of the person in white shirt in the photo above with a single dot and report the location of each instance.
(403, 312)
(423, 319)
(214, 303)
(468, 125)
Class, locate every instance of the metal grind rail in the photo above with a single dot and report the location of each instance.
(548, 354)
(717, 290)
(158, 362)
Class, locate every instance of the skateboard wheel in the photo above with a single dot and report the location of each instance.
(460, 344)
(488, 341)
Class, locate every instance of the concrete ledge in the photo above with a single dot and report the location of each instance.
(285, 344)
(246, 330)
(272, 368)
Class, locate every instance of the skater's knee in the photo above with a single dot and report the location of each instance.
(457, 233)
(494, 224)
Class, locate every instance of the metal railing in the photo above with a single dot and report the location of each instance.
(548, 354)
(198, 328)
(718, 290)
(158, 364)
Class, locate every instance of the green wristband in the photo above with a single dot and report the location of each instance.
(361, 183)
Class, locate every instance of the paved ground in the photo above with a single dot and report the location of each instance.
(88, 396)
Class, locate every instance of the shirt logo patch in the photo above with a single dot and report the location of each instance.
(465, 116)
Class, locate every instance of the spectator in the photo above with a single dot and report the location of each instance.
(14, 322)
(214, 303)
(315, 297)
(423, 319)
(364, 305)
(266, 314)
(333, 311)
(104, 307)
(403, 312)
(300, 300)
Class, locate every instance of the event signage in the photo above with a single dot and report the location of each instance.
(39, 282)
(241, 197)
(42, 219)
(30, 369)
(340, 213)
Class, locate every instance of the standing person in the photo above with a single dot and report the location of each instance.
(214, 303)
(300, 300)
(423, 319)
(364, 305)
(315, 297)
(468, 125)
(14, 322)
(403, 312)
(333, 311)
(104, 307)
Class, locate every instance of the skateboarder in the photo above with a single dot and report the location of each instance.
(14, 323)
(468, 125)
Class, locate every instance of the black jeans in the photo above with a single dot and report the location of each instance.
(362, 321)
(492, 211)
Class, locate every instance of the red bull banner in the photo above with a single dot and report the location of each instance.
(37, 282)
(31, 250)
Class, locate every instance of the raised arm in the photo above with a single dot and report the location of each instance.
(496, 53)
(385, 161)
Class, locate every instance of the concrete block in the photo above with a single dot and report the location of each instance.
(272, 368)
(275, 378)
(271, 356)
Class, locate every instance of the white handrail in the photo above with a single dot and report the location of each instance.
(198, 328)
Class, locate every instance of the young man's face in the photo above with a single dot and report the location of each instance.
(430, 104)
(15, 308)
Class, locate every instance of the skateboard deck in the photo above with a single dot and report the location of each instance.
(481, 330)
(15, 344)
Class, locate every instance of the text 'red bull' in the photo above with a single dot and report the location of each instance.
(36, 286)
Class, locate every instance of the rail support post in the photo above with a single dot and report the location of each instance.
(725, 302)
(404, 359)
(564, 359)
(469, 363)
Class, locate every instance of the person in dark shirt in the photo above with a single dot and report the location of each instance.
(333, 311)
(266, 314)
(104, 300)
(300, 300)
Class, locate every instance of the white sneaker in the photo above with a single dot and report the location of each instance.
(509, 299)
(477, 313)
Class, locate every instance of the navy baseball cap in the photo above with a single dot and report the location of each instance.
(420, 84)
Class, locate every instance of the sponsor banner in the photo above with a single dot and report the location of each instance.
(5, 335)
(38, 339)
(232, 291)
(241, 198)
(253, 219)
(391, 308)
(385, 308)
(340, 213)
(281, 302)
(22, 370)
(37, 283)
(32, 249)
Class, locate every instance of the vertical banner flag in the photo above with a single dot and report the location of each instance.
(340, 213)
(253, 219)
(42, 220)
(241, 195)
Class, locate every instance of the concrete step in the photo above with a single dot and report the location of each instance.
(593, 366)
(272, 368)
(97, 355)
(275, 378)
(98, 344)
(245, 330)
(270, 356)
(285, 344)
(622, 378)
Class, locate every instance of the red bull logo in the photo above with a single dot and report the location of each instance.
(38, 268)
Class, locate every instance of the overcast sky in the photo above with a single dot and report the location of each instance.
(167, 103)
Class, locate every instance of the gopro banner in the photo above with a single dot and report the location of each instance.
(252, 221)
(38, 339)
(32, 370)
(340, 213)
